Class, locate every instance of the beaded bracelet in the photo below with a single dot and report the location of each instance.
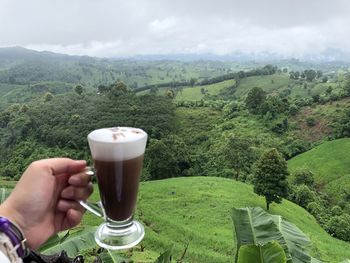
(15, 235)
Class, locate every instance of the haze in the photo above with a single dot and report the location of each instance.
(109, 28)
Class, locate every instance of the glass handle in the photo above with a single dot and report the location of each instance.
(92, 207)
(95, 208)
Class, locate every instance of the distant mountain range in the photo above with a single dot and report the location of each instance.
(328, 56)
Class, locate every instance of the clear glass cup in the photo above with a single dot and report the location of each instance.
(118, 158)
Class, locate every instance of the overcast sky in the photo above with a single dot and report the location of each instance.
(110, 28)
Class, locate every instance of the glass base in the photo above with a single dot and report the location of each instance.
(117, 238)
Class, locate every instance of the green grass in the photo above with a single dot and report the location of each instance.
(196, 210)
(269, 83)
(330, 162)
(195, 94)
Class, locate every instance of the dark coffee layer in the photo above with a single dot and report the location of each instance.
(118, 182)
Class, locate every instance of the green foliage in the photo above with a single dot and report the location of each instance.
(310, 74)
(4, 193)
(302, 195)
(274, 105)
(346, 86)
(79, 89)
(339, 226)
(270, 177)
(110, 256)
(329, 162)
(280, 127)
(166, 256)
(193, 93)
(59, 127)
(239, 154)
(252, 224)
(72, 243)
(167, 157)
(255, 100)
(270, 252)
(48, 96)
(303, 176)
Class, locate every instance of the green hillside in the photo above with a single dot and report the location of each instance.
(282, 84)
(330, 162)
(195, 93)
(196, 210)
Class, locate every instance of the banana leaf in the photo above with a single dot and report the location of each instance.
(110, 256)
(296, 241)
(254, 226)
(72, 243)
(346, 261)
(271, 252)
(165, 257)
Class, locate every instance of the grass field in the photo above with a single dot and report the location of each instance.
(330, 162)
(278, 83)
(196, 211)
(195, 94)
(269, 83)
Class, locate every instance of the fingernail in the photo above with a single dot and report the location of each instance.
(74, 180)
(89, 171)
(67, 193)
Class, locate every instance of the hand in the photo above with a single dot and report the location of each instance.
(45, 199)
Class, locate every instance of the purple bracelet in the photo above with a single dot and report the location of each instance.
(15, 235)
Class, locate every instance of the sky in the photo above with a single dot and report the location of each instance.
(124, 28)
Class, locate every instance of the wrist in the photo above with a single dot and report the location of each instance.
(11, 215)
(15, 236)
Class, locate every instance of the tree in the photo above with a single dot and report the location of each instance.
(310, 74)
(48, 96)
(167, 158)
(329, 90)
(193, 81)
(79, 89)
(255, 99)
(103, 89)
(170, 93)
(239, 154)
(346, 86)
(118, 88)
(270, 177)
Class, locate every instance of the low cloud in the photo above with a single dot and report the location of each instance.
(109, 28)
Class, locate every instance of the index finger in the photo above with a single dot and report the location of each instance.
(63, 165)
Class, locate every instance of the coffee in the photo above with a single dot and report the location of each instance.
(118, 158)
(118, 183)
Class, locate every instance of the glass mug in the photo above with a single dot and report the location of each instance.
(118, 157)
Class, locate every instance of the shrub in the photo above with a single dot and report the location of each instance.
(311, 121)
(303, 176)
(302, 195)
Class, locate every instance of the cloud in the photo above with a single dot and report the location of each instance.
(126, 28)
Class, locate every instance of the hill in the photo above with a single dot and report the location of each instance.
(196, 211)
(198, 92)
(330, 162)
(280, 83)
